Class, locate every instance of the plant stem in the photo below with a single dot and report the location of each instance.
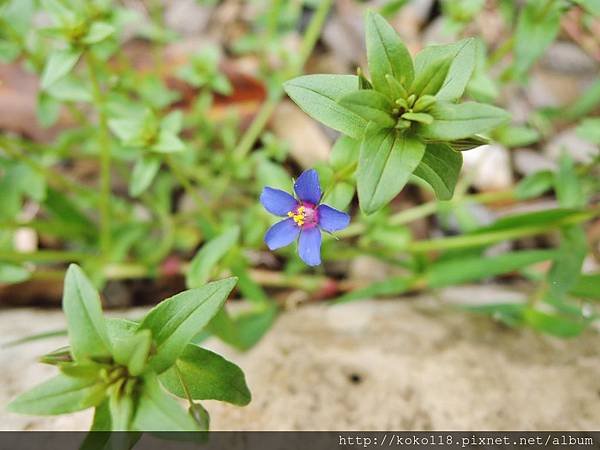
(260, 121)
(43, 256)
(184, 385)
(426, 209)
(105, 156)
(476, 240)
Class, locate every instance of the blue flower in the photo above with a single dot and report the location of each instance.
(306, 217)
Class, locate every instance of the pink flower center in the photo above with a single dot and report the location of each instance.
(305, 215)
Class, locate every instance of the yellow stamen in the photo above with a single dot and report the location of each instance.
(298, 216)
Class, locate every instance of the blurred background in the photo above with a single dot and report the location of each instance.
(83, 179)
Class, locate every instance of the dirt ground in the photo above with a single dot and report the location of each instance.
(412, 363)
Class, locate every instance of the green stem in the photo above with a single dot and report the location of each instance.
(504, 49)
(491, 237)
(43, 256)
(426, 209)
(260, 121)
(105, 156)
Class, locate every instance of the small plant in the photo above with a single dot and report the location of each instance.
(129, 371)
(406, 116)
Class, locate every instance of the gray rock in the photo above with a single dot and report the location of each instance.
(378, 365)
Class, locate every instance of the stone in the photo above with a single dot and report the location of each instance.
(490, 165)
(407, 363)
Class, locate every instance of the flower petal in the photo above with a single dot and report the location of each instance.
(307, 187)
(277, 202)
(330, 219)
(281, 234)
(309, 246)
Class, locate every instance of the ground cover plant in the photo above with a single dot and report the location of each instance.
(145, 169)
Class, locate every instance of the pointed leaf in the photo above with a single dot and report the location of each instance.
(462, 270)
(318, 97)
(132, 351)
(98, 32)
(209, 255)
(208, 376)
(158, 411)
(59, 395)
(371, 106)
(175, 321)
(587, 286)
(144, 171)
(387, 159)
(85, 322)
(444, 70)
(59, 64)
(440, 168)
(386, 54)
(458, 121)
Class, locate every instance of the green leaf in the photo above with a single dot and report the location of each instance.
(387, 159)
(516, 136)
(462, 145)
(48, 110)
(550, 218)
(587, 286)
(126, 129)
(175, 321)
(12, 273)
(59, 64)
(318, 97)
(70, 89)
(58, 11)
(101, 421)
(85, 322)
(510, 314)
(344, 152)
(144, 171)
(418, 117)
(444, 70)
(244, 330)
(98, 32)
(209, 255)
(534, 185)
(589, 129)
(386, 54)
(122, 409)
(168, 143)
(553, 324)
(207, 376)
(567, 266)
(458, 121)
(107, 441)
(132, 351)
(567, 184)
(462, 270)
(158, 411)
(371, 106)
(59, 395)
(340, 196)
(173, 122)
(537, 27)
(440, 168)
